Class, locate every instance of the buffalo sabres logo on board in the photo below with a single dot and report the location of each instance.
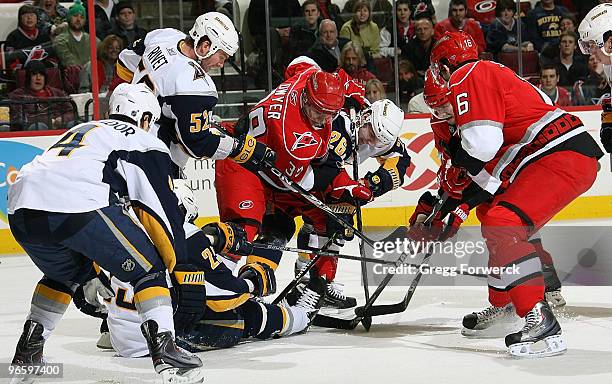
(303, 140)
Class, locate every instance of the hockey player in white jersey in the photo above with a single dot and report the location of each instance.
(175, 65)
(378, 128)
(596, 39)
(68, 211)
(232, 314)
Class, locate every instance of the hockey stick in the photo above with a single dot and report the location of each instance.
(304, 270)
(295, 187)
(368, 309)
(321, 252)
(364, 271)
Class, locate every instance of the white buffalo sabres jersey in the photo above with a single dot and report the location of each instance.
(224, 292)
(187, 95)
(100, 163)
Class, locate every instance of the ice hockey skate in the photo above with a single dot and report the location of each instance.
(311, 298)
(336, 299)
(540, 337)
(29, 349)
(175, 365)
(491, 322)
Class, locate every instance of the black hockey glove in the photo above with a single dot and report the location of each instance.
(251, 154)
(190, 291)
(228, 238)
(379, 182)
(261, 275)
(345, 212)
(85, 297)
(605, 133)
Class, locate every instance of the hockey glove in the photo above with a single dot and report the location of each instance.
(261, 276)
(86, 299)
(453, 180)
(605, 133)
(251, 154)
(418, 230)
(228, 238)
(345, 189)
(190, 289)
(455, 219)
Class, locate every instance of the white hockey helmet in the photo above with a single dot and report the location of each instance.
(386, 119)
(219, 29)
(186, 199)
(595, 28)
(135, 101)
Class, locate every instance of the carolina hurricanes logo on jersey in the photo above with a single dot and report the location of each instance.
(303, 140)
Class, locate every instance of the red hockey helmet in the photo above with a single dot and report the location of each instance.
(435, 90)
(325, 91)
(452, 49)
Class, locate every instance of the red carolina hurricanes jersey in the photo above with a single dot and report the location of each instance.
(279, 122)
(505, 121)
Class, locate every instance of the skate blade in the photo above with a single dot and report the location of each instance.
(104, 341)
(347, 313)
(553, 345)
(178, 376)
(555, 299)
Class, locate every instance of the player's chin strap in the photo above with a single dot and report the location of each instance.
(369, 309)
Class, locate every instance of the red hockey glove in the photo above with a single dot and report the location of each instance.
(343, 188)
(453, 180)
(418, 231)
(352, 89)
(455, 219)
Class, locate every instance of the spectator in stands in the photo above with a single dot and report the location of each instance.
(304, 34)
(27, 33)
(375, 90)
(125, 24)
(458, 21)
(571, 64)
(409, 81)
(595, 85)
(330, 11)
(502, 36)
(419, 48)
(362, 30)
(42, 115)
(352, 60)
(72, 46)
(283, 14)
(380, 11)
(423, 9)
(568, 23)
(326, 50)
(51, 16)
(405, 31)
(549, 80)
(543, 24)
(103, 11)
(108, 53)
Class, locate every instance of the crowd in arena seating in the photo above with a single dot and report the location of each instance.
(363, 38)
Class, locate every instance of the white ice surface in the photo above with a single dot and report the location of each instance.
(421, 345)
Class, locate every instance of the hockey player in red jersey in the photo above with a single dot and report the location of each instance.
(461, 190)
(295, 121)
(533, 159)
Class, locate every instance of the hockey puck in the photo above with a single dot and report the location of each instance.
(587, 258)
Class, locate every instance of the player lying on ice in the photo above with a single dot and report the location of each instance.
(222, 311)
(104, 166)
(377, 129)
(532, 158)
